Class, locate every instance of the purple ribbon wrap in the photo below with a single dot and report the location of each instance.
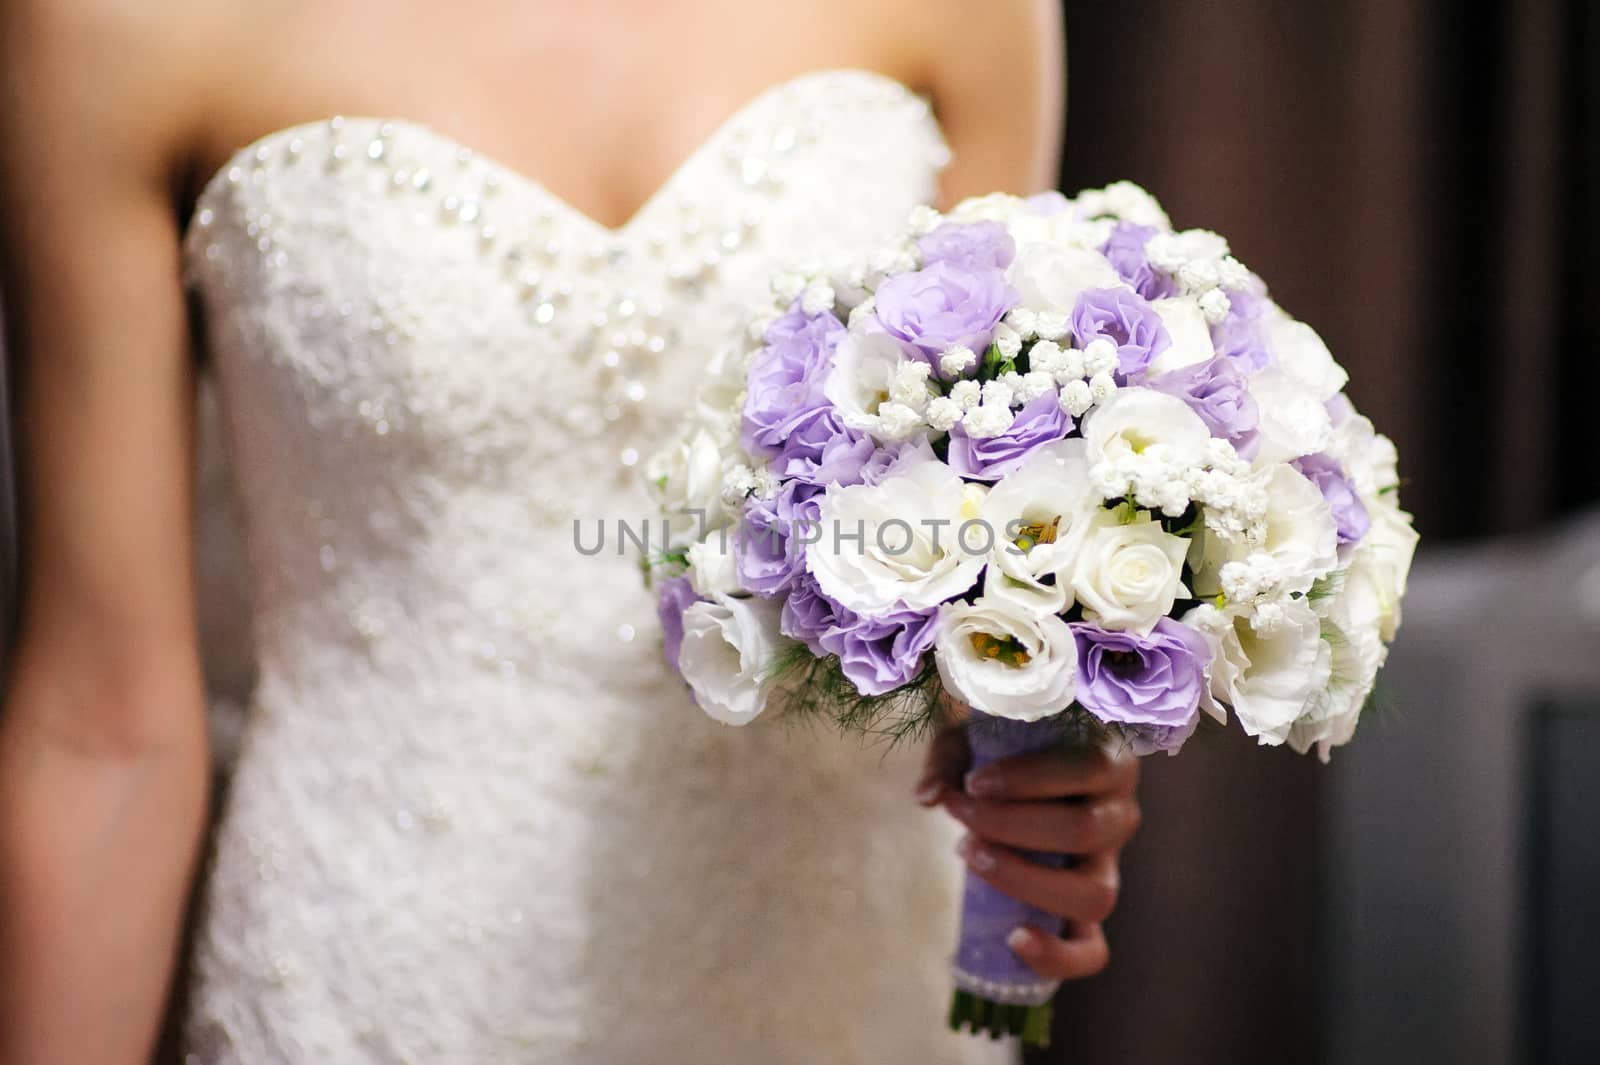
(984, 965)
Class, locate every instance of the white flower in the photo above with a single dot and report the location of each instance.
(1299, 352)
(817, 297)
(923, 220)
(864, 369)
(711, 565)
(987, 420)
(1383, 560)
(1215, 305)
(1357, 654)
(1293, 420)
(1102, 386)
(1139, 423)
(1034, 384)
(1050, 325)
(910, 386)
(1024, 321)
(1004, 658)
(1076, 398)
(728, 648)
(1046, 357)
(1128, 575)
(1268, 678)
(957, 361)
(1036, 516)
(897, 541)
(1007, 341)
(1125, 200)
(997, 393)
(1300, 534)
(896, 422)
(1049, 277)
(1100, 356)
(1191, 338)
(943, 413)
(687, 477)
(966, 394)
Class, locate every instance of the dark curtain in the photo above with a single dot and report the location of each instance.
(1416, 179)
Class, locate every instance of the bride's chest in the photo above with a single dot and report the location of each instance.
(375, 288)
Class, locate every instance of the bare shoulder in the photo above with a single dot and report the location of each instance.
(996, 73)
(111, 82)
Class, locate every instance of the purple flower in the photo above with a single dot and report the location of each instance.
(876, 654)
(1218, 392)
(971, 245)
(808, 612)
(880, 654)
(786, 379)
(1127, 320)
(944, 306)
(675, 595)
(991, 458)
(1128, 679)
(1240, 335)
(820, 449)
(769, 546)
(1349, 513)
(1125, 251)
(892, 458)
(1148, 739)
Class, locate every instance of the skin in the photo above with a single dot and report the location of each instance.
(112, 114)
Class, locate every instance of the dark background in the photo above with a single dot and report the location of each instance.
(1417, 179)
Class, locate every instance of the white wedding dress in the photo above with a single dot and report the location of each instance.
(475, 819)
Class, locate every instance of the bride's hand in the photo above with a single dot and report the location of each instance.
(1080, 803)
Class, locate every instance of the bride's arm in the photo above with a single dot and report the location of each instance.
(996, 72)
(103, 775)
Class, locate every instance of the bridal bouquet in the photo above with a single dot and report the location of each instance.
(1055, 460)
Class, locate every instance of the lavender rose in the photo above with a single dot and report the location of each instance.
(971, 245)
(876, 654)
(676, 595)
(1218, 392)
(1240, 336)
(1350, 517)
(1125, 251)
(991, 458)
(769, 549)
(1128, 679)
(786, 379)
(1127, 320)
(820, 449)
(943, 306)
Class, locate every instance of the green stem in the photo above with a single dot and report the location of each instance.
(997, 1019)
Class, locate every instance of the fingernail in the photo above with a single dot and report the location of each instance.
(1020, 939)
(977, 856)
(928, 791)
(984, 781)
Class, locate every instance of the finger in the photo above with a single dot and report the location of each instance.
(1055, 827)
(1086, 892)
(1055, 773)
(948, 758)
(1083, 952)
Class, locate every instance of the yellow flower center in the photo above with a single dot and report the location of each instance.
(1004, 649)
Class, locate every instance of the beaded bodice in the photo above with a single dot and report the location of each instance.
(474, 818)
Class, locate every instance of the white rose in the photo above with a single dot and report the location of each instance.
(862, 378)
(711, 565)
(1191, 337)
(1299, 351)
(1294, 421)
(1050, 277)
(1139, 422)
(1300, 534)
(687, 476)
(1036, 515)
(1268, 677)
(1127, 576)
(728, 650)
(1006, 658)
(1357, 654)
(897, 541)
(1383, 561)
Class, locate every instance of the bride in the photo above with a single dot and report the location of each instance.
(474, 819)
